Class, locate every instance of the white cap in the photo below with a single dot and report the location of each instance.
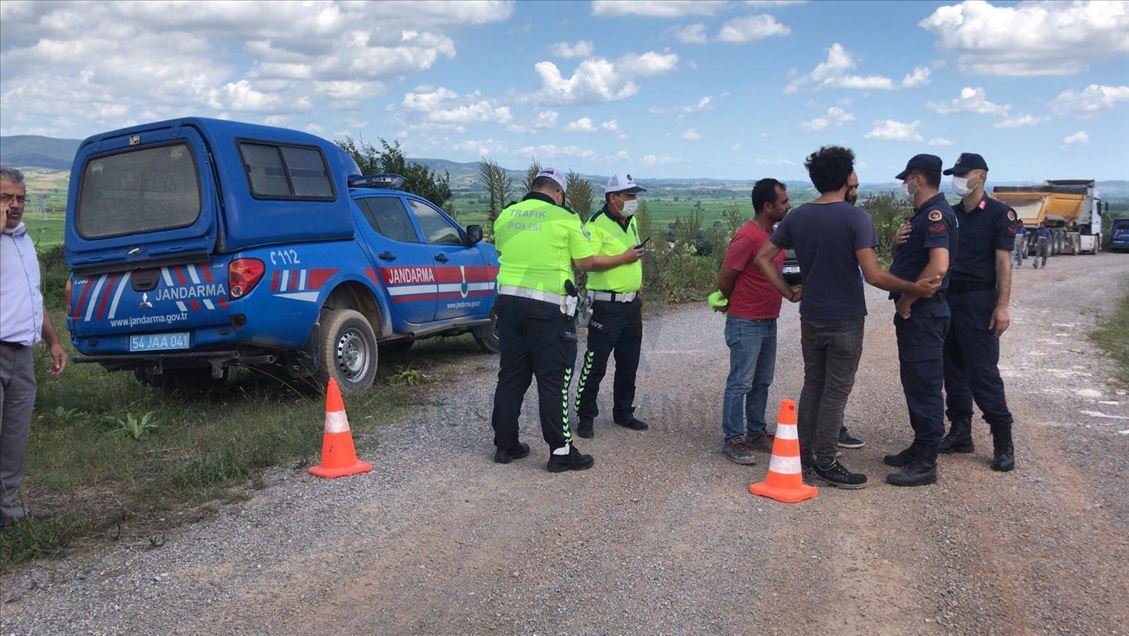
(554, 174)
(622, 182)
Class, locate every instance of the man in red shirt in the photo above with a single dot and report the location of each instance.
(750, 325)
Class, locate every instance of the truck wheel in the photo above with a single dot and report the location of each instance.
(487, 335)
(348, 351)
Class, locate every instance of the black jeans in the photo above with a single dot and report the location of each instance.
(534, 338)
(832, 349)
(615, 327)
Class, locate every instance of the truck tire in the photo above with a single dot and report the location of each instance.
(487, 335)
(348, 351)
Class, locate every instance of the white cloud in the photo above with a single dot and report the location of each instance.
(216, 58)
(658, 160)
(940, 141)
(568, 51)
(656, 9)
(1032, 38)
(920, 76)
(834, 73)
(1093, 98)
(584, 124)
(893, 130)
(623, 155)
(835, 116)
(649, 63)
(691, 33)
(598, 80)
(971, 100)
(1019, 121)
(775, 162)
(543, 120)
(704, 104)
(750, 29)
(691, 134)
(1079, 137)
(444, 106)
(551, 151)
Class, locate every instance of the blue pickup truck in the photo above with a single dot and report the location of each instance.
(197, 244)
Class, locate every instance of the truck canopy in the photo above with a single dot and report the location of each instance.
(179, 190)
(1062, 202)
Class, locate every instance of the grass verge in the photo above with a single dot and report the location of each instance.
(1112, 335)
(109, 458)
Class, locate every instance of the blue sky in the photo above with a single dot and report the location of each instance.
(729, 89)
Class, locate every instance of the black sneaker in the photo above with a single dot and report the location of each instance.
(846, 440)
(837, 476)
(758, 442)
(575, 460)
(634, 423)
(584, 429)
(507, 456)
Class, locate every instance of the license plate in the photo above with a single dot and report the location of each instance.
(792, 269)
(159, 341)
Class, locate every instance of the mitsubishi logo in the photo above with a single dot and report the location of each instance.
(144, 304)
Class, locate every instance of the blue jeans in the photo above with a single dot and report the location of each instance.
(752, 359)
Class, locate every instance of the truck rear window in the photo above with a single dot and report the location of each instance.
(142, 190)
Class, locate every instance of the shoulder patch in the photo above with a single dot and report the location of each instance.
(1011, 216)
(935, 215)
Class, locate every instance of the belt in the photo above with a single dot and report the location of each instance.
(532, 294)
(14, 345)
(958, 286)
(615, 297)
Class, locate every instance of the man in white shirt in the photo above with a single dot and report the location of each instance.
(23, 322)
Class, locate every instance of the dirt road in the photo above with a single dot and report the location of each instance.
(662, 535)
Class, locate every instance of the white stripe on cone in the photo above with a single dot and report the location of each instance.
(785, 465)
(787, 431)
(337, 422)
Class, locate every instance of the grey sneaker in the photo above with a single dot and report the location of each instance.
(737, 452)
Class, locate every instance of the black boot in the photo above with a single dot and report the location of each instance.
(920, 471)
(1003, 458)
(903, 458)
(959, 439)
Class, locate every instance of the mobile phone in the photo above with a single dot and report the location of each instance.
(644, 242)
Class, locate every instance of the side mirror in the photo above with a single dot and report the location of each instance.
(473, 234)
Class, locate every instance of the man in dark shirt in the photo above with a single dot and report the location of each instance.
(833, 240)
(1043, 238)
(979, 293)
(921, 324)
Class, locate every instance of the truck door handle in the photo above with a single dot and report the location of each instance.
(388, 256)
(442, 258)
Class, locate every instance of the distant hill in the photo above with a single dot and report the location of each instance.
(34, 151)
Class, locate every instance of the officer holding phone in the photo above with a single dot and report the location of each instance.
(616, 325)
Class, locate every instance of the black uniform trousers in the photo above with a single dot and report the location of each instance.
(615, 328)
(535, 339)
(972, 358)
(921, 349)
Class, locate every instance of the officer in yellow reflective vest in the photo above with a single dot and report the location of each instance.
(539, 242)
(617, 318)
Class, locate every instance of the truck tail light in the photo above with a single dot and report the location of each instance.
(67, 289)
(242, 276)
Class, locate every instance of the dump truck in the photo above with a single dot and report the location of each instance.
(1071, 209)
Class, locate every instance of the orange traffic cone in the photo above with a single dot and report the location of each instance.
(338, 456)
(785, 480)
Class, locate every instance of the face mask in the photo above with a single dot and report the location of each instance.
(629, 208)
(852, 199)
(907, 190)
(960, 186)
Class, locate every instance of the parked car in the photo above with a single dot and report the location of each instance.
(791, 269)
(1119, 235)
(198, 244)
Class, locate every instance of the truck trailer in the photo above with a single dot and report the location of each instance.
(1071, 209)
